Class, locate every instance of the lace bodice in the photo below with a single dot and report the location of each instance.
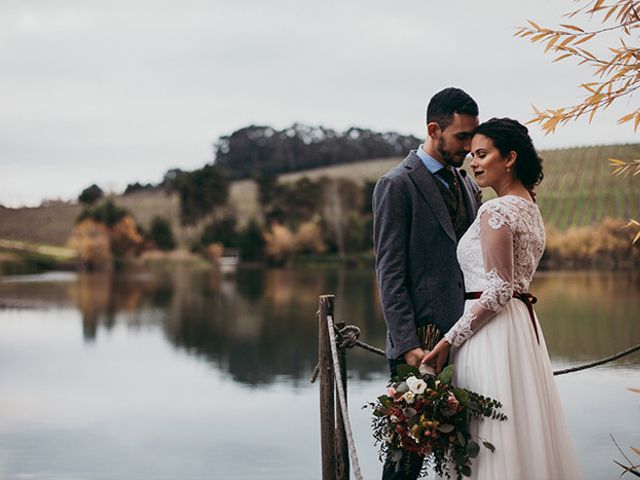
(498, 256)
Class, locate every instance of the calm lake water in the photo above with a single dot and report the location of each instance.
(186, 375)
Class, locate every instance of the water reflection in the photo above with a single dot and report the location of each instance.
(589, 315)
(261, 325)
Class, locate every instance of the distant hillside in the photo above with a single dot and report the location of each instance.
(258, 149)
(577, 190)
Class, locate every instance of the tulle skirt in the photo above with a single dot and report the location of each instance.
(504, 361)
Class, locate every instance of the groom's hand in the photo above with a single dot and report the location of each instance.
(414, 357)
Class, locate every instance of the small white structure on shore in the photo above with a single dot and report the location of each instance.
(228, 261)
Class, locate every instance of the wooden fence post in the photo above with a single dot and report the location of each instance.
(327, 387)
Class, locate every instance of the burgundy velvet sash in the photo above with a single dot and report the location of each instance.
(526, 298)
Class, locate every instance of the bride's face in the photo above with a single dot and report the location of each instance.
(487, 163)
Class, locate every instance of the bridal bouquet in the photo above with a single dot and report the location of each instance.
(426, 414)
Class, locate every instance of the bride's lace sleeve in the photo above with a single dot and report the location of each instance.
(496, 239)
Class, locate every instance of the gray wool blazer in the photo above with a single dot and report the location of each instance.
(418, 275)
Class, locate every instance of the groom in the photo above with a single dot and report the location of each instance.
(421, 209)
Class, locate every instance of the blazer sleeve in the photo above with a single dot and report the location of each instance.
(391, 229)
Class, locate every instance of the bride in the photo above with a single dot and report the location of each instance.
(497, 345)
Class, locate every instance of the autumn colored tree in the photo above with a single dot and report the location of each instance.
(615, 70)
(125, 237)
(103, 234)
(92, 242)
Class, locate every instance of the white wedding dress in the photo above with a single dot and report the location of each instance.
(496, 353)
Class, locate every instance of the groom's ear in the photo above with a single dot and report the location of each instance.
(433, 130)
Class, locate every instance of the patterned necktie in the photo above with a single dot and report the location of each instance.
(449, 176)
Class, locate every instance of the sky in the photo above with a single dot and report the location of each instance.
(122, 91)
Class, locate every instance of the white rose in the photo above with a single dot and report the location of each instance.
(418, 387)
(411, 381)
(409, 397)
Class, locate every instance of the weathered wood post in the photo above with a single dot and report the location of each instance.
(327, 387)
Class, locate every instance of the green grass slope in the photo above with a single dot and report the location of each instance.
(578, 188)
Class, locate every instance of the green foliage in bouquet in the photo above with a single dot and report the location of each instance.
(427, 415)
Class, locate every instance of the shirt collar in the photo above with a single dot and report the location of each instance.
(431, 163)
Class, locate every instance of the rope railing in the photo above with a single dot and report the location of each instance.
(348, 337)
(334, 340)
(353, 454)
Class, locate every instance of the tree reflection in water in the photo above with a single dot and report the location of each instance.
(260, 326)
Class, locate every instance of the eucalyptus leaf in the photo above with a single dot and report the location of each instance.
(402, 387)
(462, 395)
(403, 371)
(461, 440)
(473, 449)
(446, 428)
(446, 374)
(409, 412)
(460, 458)
(489, 446)
(466, 470)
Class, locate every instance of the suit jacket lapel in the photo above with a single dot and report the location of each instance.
(425, 183)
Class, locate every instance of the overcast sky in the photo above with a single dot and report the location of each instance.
(113, 92)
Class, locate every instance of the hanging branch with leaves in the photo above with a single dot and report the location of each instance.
(624, 168)
(617, 72)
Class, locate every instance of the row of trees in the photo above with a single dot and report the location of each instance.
(317, 217)
(303, 217)
(106, 234)
(264, 150)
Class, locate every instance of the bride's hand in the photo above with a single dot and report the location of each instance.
(439, 354)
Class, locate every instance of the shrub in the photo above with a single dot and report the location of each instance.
(308, 239)
(161, 234)
(252, 242)
(107, 212)
(125, 237)
(607, 244)
(279, 244)
(92, 241)
(221, 231)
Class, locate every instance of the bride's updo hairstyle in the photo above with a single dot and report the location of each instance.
(509, 135)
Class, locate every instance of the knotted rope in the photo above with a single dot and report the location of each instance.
(349, 337)
(346, 337)
(353, 454)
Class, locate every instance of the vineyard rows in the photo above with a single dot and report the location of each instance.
(579, 189)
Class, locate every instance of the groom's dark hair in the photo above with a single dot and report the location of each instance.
(446, 102)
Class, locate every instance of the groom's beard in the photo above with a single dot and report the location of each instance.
(455, 159)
